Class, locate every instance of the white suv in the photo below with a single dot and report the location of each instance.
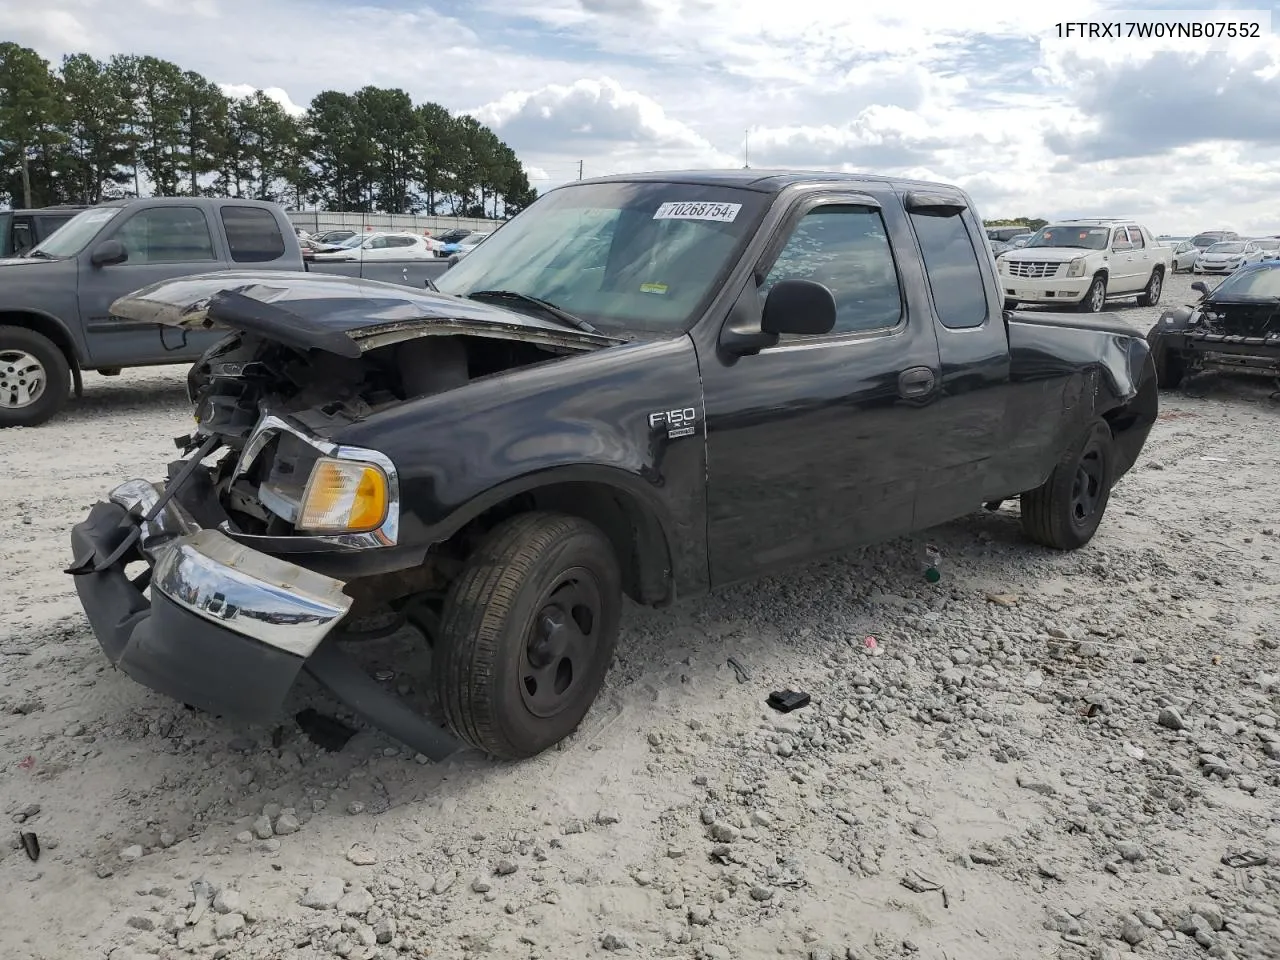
(1084, 263)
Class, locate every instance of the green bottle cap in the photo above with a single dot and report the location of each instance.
(932, 575)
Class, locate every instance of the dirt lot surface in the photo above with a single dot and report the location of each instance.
(1042, 755)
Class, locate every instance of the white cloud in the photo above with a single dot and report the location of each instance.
(980, 96)
(238, 91)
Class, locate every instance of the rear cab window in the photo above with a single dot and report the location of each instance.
(952, 268)
(253, 235)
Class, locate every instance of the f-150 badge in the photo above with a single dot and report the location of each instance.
(678, 423)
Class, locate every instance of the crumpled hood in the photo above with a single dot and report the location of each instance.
(341, 315)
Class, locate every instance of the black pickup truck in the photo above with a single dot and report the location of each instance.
(647, 386)
(55, 318)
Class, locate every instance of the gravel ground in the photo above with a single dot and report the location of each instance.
(1072, 756)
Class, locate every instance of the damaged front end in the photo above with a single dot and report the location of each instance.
(1236, 328)
(271, 536)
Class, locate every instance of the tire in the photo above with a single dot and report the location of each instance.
(1150, 294)
(1052, 514)
(27, 356)
(503, 685)
(1095, 301)
(1170, 369)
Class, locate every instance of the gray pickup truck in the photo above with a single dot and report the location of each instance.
(55, 302)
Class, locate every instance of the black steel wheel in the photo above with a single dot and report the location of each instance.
(528, 632)
(1065, 511)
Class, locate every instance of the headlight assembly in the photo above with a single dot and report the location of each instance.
(344, 496)
(1076, 267)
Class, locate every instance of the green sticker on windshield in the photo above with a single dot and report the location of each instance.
(653, 288)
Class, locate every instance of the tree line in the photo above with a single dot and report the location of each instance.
(93, 130)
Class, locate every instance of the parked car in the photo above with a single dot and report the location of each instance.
(464, 245)
(1204, 241)
(1184, 256)
(998, 247)
(381, 246)
(1234, 327)
(334, 236)
(454, 235)
(1083, 263)
(1269, 247)
(1226, 256)
(572, 421)
(1004, 234)
(55, 303)
(1020, 240)
(21, 230)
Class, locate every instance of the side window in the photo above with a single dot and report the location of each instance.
(953, 268)
(1135, 237)
(22, 238)
(845, 248)
(167, 235)
(1120, 239)
(401, 241)
(378, 243)
(253, 236)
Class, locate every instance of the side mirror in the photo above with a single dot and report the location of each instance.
(1200, 288)
(800, 307)
(108, 252)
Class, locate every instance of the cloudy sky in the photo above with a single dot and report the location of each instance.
(1182, 134)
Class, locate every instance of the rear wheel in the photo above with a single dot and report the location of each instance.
(34, 378)
(1065, 511)
(528, 632)
(1150, 295)
(1096, 298)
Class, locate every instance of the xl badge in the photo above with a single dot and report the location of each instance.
(679, 423)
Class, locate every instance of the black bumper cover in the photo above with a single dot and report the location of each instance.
(167, 648)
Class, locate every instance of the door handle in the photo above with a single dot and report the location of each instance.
(916, 382)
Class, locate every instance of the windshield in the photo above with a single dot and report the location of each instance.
(1249, 284)
(1083, 238)
(1206, 240)
(1268, 244)
(352, 241)
(640, 256)
(473, 238)
(1226, 247)
(74, 235)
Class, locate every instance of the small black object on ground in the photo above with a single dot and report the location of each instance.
(327, 733)
(784, 701)
(31, 844)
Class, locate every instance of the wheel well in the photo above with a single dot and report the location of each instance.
(43, 325)
(638, 539)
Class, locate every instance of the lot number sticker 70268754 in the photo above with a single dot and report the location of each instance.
(676, 210)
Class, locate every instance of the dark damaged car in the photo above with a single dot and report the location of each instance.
(1233, 328)
(648, 386)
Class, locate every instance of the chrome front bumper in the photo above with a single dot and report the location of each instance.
(205, 572)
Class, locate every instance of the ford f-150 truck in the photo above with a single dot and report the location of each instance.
(55, 319)
(648, 386)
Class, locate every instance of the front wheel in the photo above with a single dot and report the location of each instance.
(528, 632)
(1096, 298)
(34, 378)
(1065, 511)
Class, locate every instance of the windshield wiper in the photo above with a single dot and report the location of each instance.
(545, 305)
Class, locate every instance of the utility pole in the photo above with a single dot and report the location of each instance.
(26, 179)
(579, 169)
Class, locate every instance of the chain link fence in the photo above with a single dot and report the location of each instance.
(318, 221)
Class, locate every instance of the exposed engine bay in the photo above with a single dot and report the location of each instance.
(1241, 319)
(247, 377)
